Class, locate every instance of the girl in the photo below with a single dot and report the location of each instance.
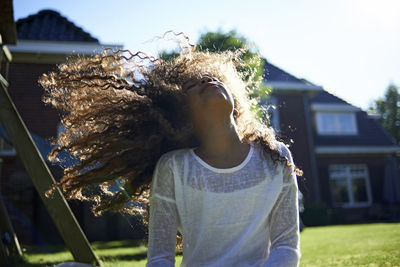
(219, 175)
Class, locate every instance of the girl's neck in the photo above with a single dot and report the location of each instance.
(220, 145)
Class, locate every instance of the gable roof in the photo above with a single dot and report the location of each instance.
(325, 97)
(279, 79)
(273, 73)
(49, 25)
(65, 159)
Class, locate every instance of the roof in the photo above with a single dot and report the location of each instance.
(370, 132)
(325, 97)
(49, 25)
(64, 158)
(273, 73)
(280, 79)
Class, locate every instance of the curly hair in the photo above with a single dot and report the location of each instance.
(122, 111)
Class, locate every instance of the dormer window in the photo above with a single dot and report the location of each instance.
(336, 123)
(335, 119)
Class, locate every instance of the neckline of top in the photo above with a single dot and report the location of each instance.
(224, 170)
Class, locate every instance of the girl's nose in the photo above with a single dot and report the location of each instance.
(207, 79)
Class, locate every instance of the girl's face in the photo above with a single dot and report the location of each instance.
(208, 98)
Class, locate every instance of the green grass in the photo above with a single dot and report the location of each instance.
(344, 245)
(351, 245)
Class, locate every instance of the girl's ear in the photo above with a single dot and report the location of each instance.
(235, 112)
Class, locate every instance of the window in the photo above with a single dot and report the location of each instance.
(350, 185)
(6, 149)
(336, 123)
(271, 106)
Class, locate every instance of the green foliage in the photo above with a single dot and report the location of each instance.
(253, 65)
(388, 108)
(164, 55)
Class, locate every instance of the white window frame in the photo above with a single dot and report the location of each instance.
(337, 131)
(352, 203)
(271, 106)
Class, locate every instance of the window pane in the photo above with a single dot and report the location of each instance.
(346, 123)
(357, 171)
(359, 189)
(337, 171)
(336, 123)
(327, 123)
(339, 190)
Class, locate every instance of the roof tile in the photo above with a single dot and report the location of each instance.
(50, 25)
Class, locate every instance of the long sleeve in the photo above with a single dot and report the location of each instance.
(163, 216)
(284, 222)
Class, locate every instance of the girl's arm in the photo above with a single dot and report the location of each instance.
(284, 222)
(163, 217)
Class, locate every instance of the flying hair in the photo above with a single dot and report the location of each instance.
(122, 111)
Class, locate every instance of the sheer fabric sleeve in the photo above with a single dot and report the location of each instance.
(163, 216)
(284, 221)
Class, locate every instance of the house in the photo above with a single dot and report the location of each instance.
(349, 161)
(44, 40)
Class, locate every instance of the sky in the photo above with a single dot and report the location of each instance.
(349, 47)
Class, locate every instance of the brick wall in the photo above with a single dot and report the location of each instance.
(293, 127)
(26, 94)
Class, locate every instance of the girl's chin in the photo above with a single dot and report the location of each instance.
(216, 96)
(218, 105)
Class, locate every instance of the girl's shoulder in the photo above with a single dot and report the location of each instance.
(284, 150)
(170, 157)
(281, 147)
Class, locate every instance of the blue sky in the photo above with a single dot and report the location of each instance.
(350, 47)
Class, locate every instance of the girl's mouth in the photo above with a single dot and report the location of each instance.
(209, 86)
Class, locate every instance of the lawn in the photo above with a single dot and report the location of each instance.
(344, 245)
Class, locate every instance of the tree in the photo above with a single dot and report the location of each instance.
(388, 108)
(232, 41)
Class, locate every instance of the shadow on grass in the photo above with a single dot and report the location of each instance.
(118, 244)
(129, 257)
(125, 257)
(45, 249)
(106, 251)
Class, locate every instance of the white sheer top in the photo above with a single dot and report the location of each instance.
(242, 216)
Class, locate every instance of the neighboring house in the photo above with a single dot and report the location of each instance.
(44, 40)
(349, 160)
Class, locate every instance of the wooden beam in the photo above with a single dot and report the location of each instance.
(6, 52)
(8, 27)
(42, 179)
(5, 49)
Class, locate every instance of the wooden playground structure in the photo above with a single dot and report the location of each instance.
(35, 166)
